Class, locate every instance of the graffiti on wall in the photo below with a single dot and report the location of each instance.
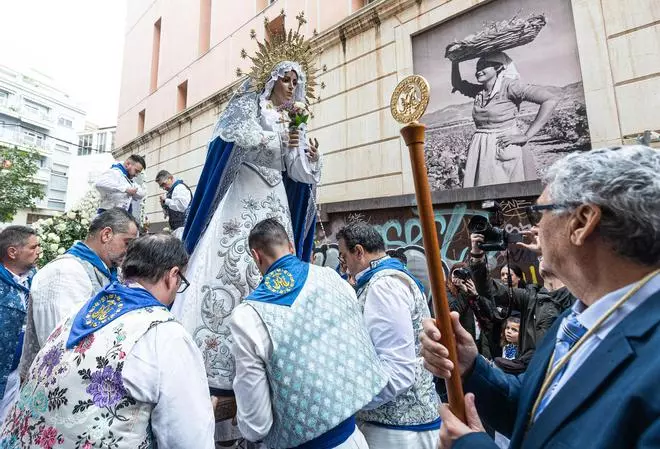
(451, 224)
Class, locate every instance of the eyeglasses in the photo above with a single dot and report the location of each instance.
(184, 283)
(535, 212)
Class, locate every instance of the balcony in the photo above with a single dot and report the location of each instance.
(37, 118)
(15, 136)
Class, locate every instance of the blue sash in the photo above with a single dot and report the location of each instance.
(433, 425)
(109, 304)
(387, 263)
(8, 278)
(333, 437)
(174, 184)
(121, 168)
(82, 251)
(282, 282)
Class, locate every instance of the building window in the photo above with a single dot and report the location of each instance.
(62, 148)
(32, 218)
(112, 140)
(4, 98)
(155, 56)
(204, 26)
(33, 139)
(101, 139)
(84, 145)
(141, 121)
(35, 109)
(59, 169)
(182, 96)
(65, 122)
(56, 204)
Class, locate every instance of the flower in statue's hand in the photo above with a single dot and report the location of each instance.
(297, 112)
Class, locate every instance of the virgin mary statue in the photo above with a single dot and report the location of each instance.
(257, 167)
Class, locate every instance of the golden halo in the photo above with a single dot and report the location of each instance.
(291, 46)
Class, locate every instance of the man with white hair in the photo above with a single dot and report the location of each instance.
(594, 382)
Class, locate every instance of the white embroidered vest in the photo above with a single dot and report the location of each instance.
(418, 405)
(76, 399)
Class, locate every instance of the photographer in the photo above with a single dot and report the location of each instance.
(538, 307)
(463, 298)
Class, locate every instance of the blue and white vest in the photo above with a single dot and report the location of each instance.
(417, 408)
(13, 310)
(323, 367)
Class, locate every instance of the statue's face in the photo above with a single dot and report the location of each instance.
(284, 88)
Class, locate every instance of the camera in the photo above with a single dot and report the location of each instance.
(495, 237)
(462, 273)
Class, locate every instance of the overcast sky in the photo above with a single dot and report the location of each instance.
(78, 43)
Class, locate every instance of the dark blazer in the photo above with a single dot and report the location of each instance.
(612, 401)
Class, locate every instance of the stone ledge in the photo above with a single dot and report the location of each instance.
(494, 192)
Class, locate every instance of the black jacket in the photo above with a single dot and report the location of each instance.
(538, 310)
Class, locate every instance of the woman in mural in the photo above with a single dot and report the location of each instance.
(498, 153)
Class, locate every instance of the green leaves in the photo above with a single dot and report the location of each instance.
(18, 189)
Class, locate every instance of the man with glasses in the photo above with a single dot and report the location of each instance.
(177, 200)
(118, 186)
(593, 381)
(122, 372)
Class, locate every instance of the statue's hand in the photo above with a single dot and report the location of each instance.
(294, 138)
(312, 150)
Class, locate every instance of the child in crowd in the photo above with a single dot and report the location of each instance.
(510, 338)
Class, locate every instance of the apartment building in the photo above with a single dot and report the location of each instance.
(34, 114)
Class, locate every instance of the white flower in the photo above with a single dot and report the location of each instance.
(71, 215)
(300, 105)
(53, 247)
(48, 222)
(84, 222)
(60, 227)
(60, 250)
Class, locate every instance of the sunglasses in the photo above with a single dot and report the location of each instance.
(535, 212)
(184, 283)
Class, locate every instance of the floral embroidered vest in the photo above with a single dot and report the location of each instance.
(323, 367)
(76, 399)
(418, 405)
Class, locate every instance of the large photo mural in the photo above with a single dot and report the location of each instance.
(506, 93)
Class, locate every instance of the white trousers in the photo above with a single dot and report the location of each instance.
(382, 438)
(355, 441)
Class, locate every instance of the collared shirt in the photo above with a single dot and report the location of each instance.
(22, 280)
(588, 316)
(180, 199)
(58, 290)
(112, 185)
(388, 312)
